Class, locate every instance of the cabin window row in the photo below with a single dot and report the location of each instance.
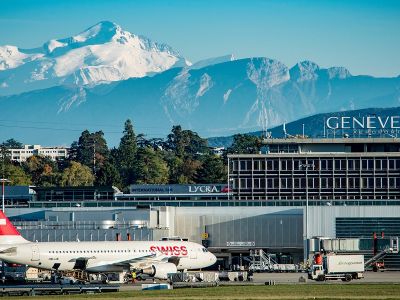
(96, 251)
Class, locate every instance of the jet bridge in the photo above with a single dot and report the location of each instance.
(392, 249)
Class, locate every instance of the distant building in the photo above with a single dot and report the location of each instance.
(23, 154)
(217, 150)
(17, 196)
(74, 193)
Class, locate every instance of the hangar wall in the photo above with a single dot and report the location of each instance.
(260, 227)
(322, 219)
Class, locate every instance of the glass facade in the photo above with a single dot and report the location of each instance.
(73, 193)
(348, 178)
(364, 227)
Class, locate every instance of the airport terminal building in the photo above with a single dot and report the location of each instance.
(338, 171)
(294, 190)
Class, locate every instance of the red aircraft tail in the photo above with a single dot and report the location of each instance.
(6, 227)
(8, 233)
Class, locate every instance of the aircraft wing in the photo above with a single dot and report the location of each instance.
(9, 251)
(140, 261)
(161, 258)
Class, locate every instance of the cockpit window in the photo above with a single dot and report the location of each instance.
(204, 250)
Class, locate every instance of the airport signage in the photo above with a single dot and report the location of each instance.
(170, 250)
(240, 244)
(203, 189)
(204, 236)
(373, 124)
(178, 188)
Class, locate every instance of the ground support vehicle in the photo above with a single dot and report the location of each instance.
(332, 266)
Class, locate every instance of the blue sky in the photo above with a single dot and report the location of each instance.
(363, 36)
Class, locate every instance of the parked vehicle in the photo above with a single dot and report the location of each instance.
(332, 266)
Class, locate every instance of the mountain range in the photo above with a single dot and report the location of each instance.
(315, 127)
(104, 75)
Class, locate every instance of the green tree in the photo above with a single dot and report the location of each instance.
(176, 141)
(150, 167)
(189, 171)
(187, 148)
(12, 144)
(77, 175)
(126, 154)
(16, 175)
(73, 151)
(91, 149)
(42, 170)
(175, 167)
(9, 170)
(186, 143)
(212, 170)
(108, 175)
(85, 149)
(5, 155)
(101, 149)
(182, 171)
(245, 144)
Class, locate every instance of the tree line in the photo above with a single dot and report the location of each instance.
(182, 158)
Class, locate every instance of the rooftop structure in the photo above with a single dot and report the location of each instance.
(338, 145)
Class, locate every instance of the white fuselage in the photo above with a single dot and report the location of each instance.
(108, 256)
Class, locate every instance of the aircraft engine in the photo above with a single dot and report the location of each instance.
(161, 270)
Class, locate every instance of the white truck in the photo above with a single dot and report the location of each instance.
(344, 267)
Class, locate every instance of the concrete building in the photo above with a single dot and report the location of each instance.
(54, 153)
(295, 190)
(229, 232)
(338, 171)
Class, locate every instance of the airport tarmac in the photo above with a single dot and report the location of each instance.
(293, 278)
(369, 277)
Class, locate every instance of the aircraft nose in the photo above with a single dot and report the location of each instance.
(213, 258)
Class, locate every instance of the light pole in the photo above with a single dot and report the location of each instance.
(228, 179)
(307, 250)
(305, 166)
(3, 181)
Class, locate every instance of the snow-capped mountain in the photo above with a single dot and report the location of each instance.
(66, 82)
(101, 54)
(219, 99)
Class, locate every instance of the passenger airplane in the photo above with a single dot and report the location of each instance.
(156, 259)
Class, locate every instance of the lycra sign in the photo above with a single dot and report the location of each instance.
(177, 188)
